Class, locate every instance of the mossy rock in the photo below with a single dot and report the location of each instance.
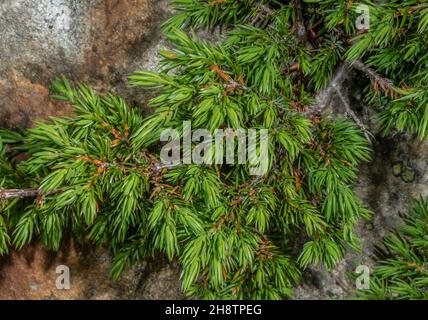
(408, 175)
(397, 168)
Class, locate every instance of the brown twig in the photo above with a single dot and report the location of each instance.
(262, 14)
(24, 193)
(379, 82)
(19, 193)
(301, 32)
(5, 194)
(353, 115)
(323, 99)
(231, 83)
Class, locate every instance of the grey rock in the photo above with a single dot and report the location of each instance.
(98, 42)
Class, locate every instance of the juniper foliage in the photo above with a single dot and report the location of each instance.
(236, 236)
(402, 270)
(396, 46)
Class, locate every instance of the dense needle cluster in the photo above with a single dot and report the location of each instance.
(98, 174)
(402, 270)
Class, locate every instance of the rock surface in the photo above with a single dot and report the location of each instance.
(100, 42)
(34, 273)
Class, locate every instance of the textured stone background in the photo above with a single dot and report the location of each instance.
(100, 42)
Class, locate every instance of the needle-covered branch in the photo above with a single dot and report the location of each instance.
(382, 83)
(229, 230)
(401, 271)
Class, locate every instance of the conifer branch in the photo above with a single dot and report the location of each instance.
(386, 85)
(6, 194)
(301, 32)
(263, 13)
(324, 98)
(401, 271)
(354, 116)
(19, 193)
